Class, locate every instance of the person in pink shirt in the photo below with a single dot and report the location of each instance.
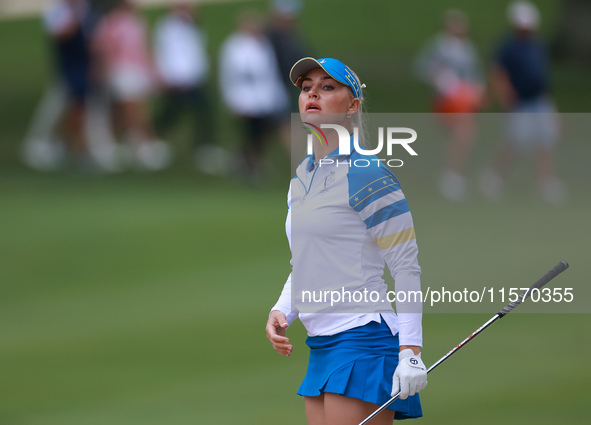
(125, 68)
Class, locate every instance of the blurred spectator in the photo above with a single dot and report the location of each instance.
(289, 47)
(520, 81)
(251, 88)
(450, 64)
(43, 147)
(288, 43)
(572, 40)
(57, 129)
(183, 68)
(120, 44)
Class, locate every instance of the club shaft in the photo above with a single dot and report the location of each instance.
(559, 268)
(464, 342)
(434, 365)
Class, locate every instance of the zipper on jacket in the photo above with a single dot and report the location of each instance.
(307, 190)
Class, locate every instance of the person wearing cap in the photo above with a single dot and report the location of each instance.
(344, 224)
(520, 82)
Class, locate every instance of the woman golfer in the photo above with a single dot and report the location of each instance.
(346, 220)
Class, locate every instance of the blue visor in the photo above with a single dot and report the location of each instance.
(333, 67)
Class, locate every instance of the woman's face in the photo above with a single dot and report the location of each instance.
(323, 94)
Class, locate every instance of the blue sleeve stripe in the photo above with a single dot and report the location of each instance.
(367, 186)
(371, 193)
(386, 213)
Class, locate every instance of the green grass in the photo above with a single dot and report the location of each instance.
(141, 299)
(131, 303)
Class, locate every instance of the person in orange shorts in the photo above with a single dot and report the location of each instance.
(450, 64)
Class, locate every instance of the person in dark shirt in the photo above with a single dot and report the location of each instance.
(520, 82)
(68, 22)
(523, 60)
(289, 45)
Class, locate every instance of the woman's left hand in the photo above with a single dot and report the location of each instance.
(410, 376)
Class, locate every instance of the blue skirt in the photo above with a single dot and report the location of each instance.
(358, 363)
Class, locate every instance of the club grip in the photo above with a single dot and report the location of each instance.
(559, 268)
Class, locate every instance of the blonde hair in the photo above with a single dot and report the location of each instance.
(358, 118)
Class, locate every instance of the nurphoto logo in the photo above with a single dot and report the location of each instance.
(387, 133)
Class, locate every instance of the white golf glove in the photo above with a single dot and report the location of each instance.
(410, 376)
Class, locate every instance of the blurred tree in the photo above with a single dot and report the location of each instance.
(573, 40)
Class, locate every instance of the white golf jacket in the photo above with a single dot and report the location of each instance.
(347, 220)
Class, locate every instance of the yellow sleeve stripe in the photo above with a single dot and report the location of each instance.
(396, 238)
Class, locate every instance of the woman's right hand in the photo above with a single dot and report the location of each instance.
(276, 326)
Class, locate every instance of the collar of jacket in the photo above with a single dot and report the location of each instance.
(312, 162)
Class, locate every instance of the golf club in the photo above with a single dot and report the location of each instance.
(559, 268)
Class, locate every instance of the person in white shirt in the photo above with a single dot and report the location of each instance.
(183, 70)
(344, 223)
(251, 88)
